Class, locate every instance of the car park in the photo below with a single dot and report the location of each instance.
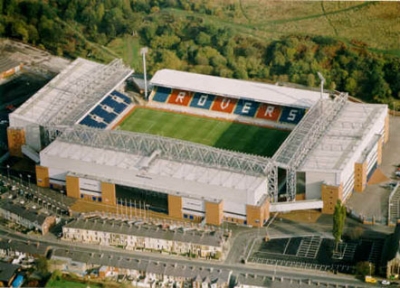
(391, 185)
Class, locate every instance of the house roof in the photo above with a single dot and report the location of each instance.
(21, 211)
(28, 247)
(7, 271)
(214, 238)
(120, 260)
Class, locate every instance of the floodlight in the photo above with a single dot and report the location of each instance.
(143, 51)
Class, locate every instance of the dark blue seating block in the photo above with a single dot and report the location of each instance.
(118, 107)
(107, 116)
(88, 121)
(122, 96)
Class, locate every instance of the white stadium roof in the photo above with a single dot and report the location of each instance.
(72, 92)
(158, 174)
(233, 88)
(345, 134)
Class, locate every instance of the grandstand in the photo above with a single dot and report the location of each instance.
(75, 124)
(66, 100)
(238, 100)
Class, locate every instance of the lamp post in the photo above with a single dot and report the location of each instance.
(322, 85)
(20, 177)
(258, 227)
(144, 51)
(29, 181)
(8, 172)
(146, 210)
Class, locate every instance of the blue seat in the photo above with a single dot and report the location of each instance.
(292, 115)
(200, 100)
(162, 94)
(118, 107)
(88, 121)
(122, 96)
(246, 108)
(107, 116)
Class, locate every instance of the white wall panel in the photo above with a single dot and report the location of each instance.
(253, 198)
(239, 208)
(193, 204)
(89, 184)
(57, 174)
(314, 180)
(194, 213)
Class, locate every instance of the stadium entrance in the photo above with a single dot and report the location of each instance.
(140, 198)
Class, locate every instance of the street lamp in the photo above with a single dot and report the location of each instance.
(29, 181)
(144, 51)
(20, 177)
(258, 227)
(8, 172)
(322, 85)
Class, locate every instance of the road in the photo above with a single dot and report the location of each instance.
(240, 244)
(276, 276)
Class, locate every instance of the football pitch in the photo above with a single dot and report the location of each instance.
(227, 135)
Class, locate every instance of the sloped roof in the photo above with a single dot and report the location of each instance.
(233, 88)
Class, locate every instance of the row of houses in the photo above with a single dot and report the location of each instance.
(142, 236)
(144, 273)
(29, 218)
(14, 256)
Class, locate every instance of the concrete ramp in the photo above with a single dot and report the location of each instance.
(293, 206)
(30, 153)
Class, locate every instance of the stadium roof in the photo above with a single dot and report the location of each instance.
(234, 88)
(68, 96)
(7, 63)
(334, 149)
(156, 163)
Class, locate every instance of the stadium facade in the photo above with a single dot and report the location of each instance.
(70, 128)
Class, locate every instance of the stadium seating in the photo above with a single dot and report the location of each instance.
(117, 106)
(108, 117)
(269, 112)
(203, 101)
(246, 108)
(291, 115)
(125, 98)
(107, 111)
(223, 104)
(162, 94)
(239, 107)
(179, 97)
(88, 121)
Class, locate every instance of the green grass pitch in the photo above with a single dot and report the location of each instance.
(216, 133)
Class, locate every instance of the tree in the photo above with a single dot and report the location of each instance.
(57, 275)
(203, 39)
(19, 30)
(339, 219)
(365, 268)
(42, 265)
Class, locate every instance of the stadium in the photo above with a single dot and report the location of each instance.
(202, 148)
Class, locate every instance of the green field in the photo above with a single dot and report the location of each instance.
(372, 22)
(69, 284)
(220, 134)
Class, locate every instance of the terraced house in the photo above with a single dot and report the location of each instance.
(139, 236)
